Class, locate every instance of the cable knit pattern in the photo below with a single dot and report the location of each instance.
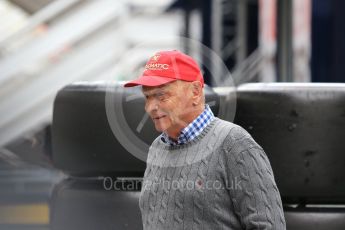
(222, 179)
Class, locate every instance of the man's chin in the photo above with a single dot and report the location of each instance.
(159, 128)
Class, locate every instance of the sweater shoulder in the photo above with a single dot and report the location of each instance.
(233, 131)
(157, 141)
(237, 138)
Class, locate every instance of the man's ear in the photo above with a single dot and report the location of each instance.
(197, 91)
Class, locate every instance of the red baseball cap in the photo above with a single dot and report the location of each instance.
(168, 66)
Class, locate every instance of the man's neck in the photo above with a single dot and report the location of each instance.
(176, 133)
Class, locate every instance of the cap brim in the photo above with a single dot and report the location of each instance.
(149, 81)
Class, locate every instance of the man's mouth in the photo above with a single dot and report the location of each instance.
(156, 118)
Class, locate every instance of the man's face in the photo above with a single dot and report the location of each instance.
(169, 106)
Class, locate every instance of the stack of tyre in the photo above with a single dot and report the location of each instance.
(100, 136)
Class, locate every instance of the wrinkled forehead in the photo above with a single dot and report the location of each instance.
(166, 87)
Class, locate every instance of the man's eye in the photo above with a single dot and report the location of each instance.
(161, 96)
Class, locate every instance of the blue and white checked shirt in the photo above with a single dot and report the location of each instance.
(192, 130)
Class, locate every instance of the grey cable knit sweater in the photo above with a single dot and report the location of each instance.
(220, 180)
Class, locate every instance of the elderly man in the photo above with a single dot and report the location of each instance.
(202, 172)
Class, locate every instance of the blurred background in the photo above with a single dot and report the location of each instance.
(47, 44)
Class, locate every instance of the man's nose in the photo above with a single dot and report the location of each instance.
(151, 105)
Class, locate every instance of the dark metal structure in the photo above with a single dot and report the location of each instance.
(285, 41)
(328, 36)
